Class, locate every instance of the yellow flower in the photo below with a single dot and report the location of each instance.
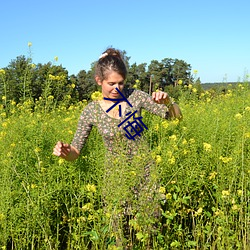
(3, 97)
(137, 81)
(91, 188)
(56, 58)
(195, 71)
(50, 97)
(171, 160)
(173, 137)
(238, 116)
(239, 192)
(29, 44)
(168, 196)
(156, 127)
(180, 82)
(37, 149)
(218, 212)
(212, 175)
(246, 108)
(73, 85)
(207, 147)
(61, 161)
(97, 95)
(2, 72)
(194, 90)
(158, 159)
(87, 207)
(225, 193)
(225, 159)
(162, 190)
(235, 207)
(135, 86)
(190, 86)
(191, 140)
(198, 212)
(184, 141)
(164, 124)
(2, 217)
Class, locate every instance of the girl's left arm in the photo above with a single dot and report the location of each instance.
(159, 104)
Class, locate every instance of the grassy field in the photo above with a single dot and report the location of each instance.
(203, 163)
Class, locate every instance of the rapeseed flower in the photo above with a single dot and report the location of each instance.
(235, 207)
(162, 190)
(158, 159)
(212, 175)
(225, 159)
(207, 147)
(184, 141)
(96, 96)
(239, 192)
(91, 188)
(180, 82)
(164, 124)
(87, 207)
(168, 196)
(225, 193)
(29, 44)
(173, 137)
(171, 160)
(238, 116)
(2, 72)
(198, 212)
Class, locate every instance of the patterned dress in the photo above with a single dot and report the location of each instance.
(94, 115)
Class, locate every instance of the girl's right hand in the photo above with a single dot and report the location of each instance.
(62, 149)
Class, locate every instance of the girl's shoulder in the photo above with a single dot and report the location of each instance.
(134, 92)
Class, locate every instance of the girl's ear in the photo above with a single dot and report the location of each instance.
(98, 80)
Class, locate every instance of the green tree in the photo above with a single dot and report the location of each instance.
(18, 79)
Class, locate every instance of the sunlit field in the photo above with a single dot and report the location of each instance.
(203, 163)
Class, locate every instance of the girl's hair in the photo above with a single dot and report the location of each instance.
(110, 60)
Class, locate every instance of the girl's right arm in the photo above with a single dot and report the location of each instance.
(66, 151)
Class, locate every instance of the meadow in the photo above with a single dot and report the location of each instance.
(203, 162)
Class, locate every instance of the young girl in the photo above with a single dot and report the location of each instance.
(110, 74)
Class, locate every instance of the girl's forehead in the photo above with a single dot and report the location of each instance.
(113, 76)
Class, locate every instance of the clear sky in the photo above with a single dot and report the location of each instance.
(212, 36)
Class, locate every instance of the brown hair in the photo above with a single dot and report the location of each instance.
(110, 60)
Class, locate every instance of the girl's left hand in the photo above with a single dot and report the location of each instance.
(161, 97)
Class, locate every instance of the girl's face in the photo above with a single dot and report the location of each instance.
(109, 85)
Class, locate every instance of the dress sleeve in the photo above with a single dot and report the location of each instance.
(84, 127)
(146, 102)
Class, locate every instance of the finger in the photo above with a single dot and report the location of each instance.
(159, 96)
(56, 152)
(153, 95)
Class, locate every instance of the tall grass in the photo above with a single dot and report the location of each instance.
(203, 163)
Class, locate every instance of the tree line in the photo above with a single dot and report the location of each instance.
(22, 79)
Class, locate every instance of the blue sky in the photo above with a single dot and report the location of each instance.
(212, 36)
